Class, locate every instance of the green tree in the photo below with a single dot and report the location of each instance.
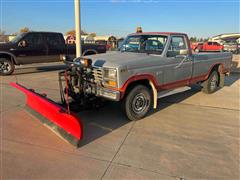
(193, 39)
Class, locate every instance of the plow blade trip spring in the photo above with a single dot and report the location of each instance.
(65, 124)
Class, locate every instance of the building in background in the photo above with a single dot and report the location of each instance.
(111, 42)
(230, 42)
(6, 38)
(221, 38)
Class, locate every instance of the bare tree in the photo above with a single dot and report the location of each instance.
(72, 32)
(93, 34)
(3, 37)
(25, 29)
(2, 32)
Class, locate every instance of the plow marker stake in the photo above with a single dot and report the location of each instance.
(68, 126)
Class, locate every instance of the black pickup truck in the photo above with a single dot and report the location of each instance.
(39, 47)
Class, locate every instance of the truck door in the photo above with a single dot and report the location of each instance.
(178, 69)
(55, 46)
(31, 49)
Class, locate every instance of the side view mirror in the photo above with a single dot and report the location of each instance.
(183, 52)
(65, 58)
(22, 43)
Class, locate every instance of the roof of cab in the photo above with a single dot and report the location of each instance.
(158, 33)
(45, 32)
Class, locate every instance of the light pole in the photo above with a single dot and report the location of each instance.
(78, 28)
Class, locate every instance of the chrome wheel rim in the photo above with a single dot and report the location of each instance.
(5, 67)
(214, 83)
(139, 103)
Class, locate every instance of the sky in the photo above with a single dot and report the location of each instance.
(200, 18)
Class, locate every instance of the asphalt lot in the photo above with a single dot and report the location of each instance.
(191, 136)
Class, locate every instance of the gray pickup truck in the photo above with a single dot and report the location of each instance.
(146, 63)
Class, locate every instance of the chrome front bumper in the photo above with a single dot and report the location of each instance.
(109, 94)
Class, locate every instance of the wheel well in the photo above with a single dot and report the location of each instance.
(7, 56)
(144, 82)
(89, 52)
(218, 68)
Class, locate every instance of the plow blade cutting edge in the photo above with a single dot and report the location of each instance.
(66, 125)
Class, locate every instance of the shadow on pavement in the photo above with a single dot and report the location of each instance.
(235, 66)
(231, 79)
(40, 69)
(179, 97)
(97, 123)
(109, 118)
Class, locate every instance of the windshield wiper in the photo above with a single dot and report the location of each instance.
(153, 52)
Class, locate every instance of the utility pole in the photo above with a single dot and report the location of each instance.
(78, 28)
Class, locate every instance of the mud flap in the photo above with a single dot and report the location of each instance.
(222, 80)
(67, 125)
(221, 76)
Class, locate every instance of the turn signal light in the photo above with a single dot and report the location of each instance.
(111, 83)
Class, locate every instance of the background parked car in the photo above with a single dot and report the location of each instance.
(195, 45)
(39, 47)
(208, 47)
(103, 42)
(231, 46)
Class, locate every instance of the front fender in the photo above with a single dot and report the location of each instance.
(138, 77)
(14, 58)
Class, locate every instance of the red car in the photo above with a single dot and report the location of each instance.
(195, 45)
(208, 46)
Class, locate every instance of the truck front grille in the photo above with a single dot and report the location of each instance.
(98, 74)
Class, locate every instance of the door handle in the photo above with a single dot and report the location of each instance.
(186, 58)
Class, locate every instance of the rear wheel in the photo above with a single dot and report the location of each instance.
(211, 84)
(6, 67)
(137, 103)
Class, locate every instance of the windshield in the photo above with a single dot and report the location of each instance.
(18, 37)
(153, 44)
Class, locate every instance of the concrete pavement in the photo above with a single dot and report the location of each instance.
(191, 136)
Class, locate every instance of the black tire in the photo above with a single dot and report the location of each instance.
(211, 84)
(6, 67)
(137, 102)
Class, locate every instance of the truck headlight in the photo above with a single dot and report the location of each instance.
(110, 74)
(110, 77)
(86, 62)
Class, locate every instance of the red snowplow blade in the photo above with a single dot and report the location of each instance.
(53, 115)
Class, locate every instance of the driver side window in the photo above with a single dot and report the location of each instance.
(33, 39)
(177, 43)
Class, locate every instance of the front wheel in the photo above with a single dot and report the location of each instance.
(137, 103)
(211, 84)
(6, 67)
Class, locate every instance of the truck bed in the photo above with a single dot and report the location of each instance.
(203, 62)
